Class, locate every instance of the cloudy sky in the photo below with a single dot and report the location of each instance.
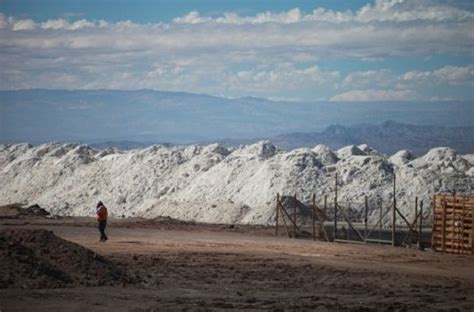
(387, 50)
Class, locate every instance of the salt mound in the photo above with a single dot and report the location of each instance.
(325, 154)
(440, 154)
(262, 149)
(470, 173)
(106, 152)
(469, 158)
(348, 151)
(216, 185)
(40, 259)
(368, 150)
(217, 149)
(402, 158)
(442, 157)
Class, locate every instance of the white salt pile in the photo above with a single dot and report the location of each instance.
(213, 184)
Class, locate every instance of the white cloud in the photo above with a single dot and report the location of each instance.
(289, 17)
(411, 10)
(283, 76)
(382, 78)
(453, 75)
(380, 11)
(192, 17)
(26, 24)
(385, 85)
(267, 54)
(55, 24)
(374, 95)
(63, 24)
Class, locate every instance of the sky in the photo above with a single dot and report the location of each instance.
(383, 50)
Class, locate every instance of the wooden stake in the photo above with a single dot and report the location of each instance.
(324, 218)
(394, 215)
(349, 223)
(472, 232)
(285, 213)
(294, 218)
(381, 219)
(410, 227)
(443, 226)
(284, 221)
(462, 224)
(413, 229)
(453, 220)
(365, 218)
(325, 205)
(420, 246)
(433, 223)
(335, 209)
(415, 219)
(348, 232)
(277, 213)
(314, 211)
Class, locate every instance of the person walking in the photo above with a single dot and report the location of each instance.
(102, 214)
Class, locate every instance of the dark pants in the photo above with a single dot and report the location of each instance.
(102, 225)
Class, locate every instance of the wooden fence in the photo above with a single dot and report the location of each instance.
(453, 228)
(318, 217)
(405, 234)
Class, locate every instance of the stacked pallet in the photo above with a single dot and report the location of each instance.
(453, 228)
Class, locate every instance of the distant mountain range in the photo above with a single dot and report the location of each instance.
(388, 138)
(137, 118)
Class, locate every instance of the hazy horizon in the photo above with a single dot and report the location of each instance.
(241, 69)
(95, 116)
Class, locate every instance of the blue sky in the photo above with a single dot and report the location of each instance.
(384, 50)
(152, 11)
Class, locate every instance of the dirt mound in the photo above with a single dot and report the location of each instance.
(17, 210)
(40, 259)
(36, 210)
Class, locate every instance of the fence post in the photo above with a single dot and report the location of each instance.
(313, 210)
(443, 224)
(365, 218)
(335, 210)
(416, 208)
(394, 215)
(325, 206)
(420, 246)
(294, 217)
(415, 220)
(380, 219)
(453, 220)
(433, 224)
(277, 213)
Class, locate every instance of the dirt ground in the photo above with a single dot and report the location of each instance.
(182, 266)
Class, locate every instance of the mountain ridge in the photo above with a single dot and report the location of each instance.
(96, 116)
(388, 137)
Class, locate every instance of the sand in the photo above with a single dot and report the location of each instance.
(179, 266)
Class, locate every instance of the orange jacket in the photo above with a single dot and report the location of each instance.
(102, 213)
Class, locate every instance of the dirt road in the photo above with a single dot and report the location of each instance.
(196, 267)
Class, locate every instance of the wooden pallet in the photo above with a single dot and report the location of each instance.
(453, 228)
